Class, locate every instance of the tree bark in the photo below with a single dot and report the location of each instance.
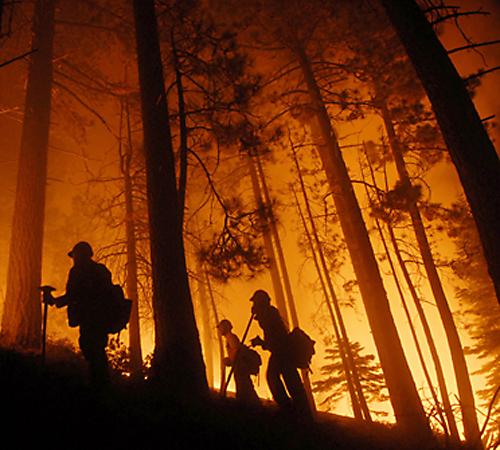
(177, 362)
(1, 17)
(469, 145)
(21, 322)
(404, 397)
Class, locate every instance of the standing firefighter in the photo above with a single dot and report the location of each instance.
(88, 292)
(244, 361)
(281, 369)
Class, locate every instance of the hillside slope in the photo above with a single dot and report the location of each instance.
(52, 406)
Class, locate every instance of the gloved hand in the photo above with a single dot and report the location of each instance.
(257, 340)
(47, 296)
(49, 299)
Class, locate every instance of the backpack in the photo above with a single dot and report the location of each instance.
(301, 348)
(249, 359)
(119, 308)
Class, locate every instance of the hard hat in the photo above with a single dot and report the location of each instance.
(260, 297)
(225, 324)
(83, 248)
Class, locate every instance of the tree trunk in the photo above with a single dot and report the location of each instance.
(177, 361)
(406, 310)
(284, 273)
(21, 322)
(465, 391)
(403, 393)
(183, 131)
(470, 147)
(279, 295)
(222, 366)
(356, 409)
(1, 17)
(425, 325)
(344, 345)
(207, 326)
(132, 290)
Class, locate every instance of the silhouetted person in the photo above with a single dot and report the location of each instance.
(87, 292)
(281, 371)
(245, 390)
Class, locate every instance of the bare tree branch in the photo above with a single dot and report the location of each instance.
(455, 15)
(480, 73)
(85, 105)
(16, 58)
(472, 46)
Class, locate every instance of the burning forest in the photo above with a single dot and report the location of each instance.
(257, 223)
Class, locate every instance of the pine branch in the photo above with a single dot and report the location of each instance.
(209, 179)
(439, 7)
(485, 119)
(480, 73)
(472, 46)
(455, 15)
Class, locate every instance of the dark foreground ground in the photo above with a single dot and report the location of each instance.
(52, 407)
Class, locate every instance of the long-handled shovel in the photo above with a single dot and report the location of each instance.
(226, 384)
(46, 291)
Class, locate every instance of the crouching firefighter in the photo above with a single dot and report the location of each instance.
(89, 289)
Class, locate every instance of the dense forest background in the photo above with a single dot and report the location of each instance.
(257, 203)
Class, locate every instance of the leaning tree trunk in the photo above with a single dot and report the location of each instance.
(423, 319)
(21, 323)
(177, 362)
(222, 366)
(268, 243)
(134, 330)
(284, 274)
(356, 409)
(465, 392)
(470, 147)
(344, 345)
(207, 324)
(404, 397)
(404, 304)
